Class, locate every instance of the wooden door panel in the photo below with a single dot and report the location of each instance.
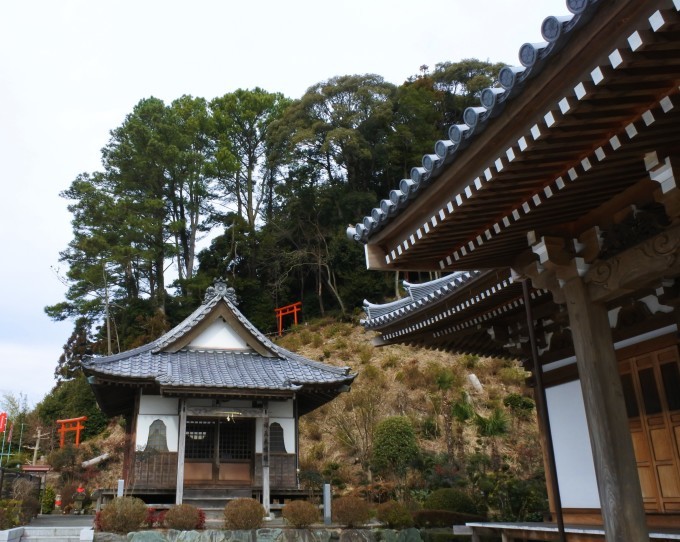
(670, 354)
(640, 447)
(655, 426)
(669, 481)
(238, 473)
(647, 483)
(661, 444)
(198, 472)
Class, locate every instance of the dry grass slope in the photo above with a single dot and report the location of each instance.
(425, 386)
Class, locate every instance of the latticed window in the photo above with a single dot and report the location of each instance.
(236, 439)
(277, 443)
(200, 439)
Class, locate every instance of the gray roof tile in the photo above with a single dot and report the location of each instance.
(420, 296)
(238, 369)
(556, 32)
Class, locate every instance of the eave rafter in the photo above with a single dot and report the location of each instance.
(465, 305)
(637, 99)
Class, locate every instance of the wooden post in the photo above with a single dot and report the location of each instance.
(265, 460)
(179, 493)
(615, 467)
(543, 417)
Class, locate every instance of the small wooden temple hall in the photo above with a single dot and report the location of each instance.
(212, 408)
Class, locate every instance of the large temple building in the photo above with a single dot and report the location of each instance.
(552, 216)
(212, 408)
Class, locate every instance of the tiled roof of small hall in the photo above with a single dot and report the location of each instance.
(217, 368)
(419, 296)
(556, 31)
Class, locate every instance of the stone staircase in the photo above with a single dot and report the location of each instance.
(52, 528)
(213, 501)
(52, 534)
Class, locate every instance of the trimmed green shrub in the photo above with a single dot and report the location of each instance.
(184, 517)
(300, 514)
(394, 514)
(451, 499)
(123, 515)
(243, 514)
(395, 446)
(47, 502)
(10, 513)
(351, 511)
(442, 518)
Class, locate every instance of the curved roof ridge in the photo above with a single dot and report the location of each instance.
(428, 293)
(424, 288)
(378, 309)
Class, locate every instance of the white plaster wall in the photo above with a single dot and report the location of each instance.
(219, 336)
(281, 409)
(573, 454)
(144, 422)
(155, 404)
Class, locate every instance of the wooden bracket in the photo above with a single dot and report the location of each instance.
(665, 172)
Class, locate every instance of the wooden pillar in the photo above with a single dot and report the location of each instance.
(615, 467)
(265, 460)
(181, 444)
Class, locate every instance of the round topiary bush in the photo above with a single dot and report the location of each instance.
(184, 517)
(351, 511)
(243, 514)
(395, 515)
(451, 499)
(122, 515)
(300, 514)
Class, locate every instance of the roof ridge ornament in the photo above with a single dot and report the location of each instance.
(220, 289)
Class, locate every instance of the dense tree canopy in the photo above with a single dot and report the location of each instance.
(273, 182)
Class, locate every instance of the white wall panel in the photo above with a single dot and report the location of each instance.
(573, 454)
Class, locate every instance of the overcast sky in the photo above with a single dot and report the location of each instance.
(71, 70)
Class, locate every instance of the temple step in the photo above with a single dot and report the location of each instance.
(213, 501)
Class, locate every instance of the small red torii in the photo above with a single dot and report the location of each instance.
(72, 424)
(293, 309)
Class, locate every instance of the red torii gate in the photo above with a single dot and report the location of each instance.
(72, 424)
(293, 309)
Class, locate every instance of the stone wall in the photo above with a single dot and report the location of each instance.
(269, 535)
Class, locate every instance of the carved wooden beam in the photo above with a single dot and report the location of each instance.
(645, 263)
(590, 244)
(541, 278)
(551, 251)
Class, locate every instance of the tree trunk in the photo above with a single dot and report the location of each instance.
(332, 287)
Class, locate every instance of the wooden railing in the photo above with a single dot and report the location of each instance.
(282, 471)
(154, 470)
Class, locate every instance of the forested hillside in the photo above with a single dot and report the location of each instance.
(414, 421)
(267, 185)
(259, 189)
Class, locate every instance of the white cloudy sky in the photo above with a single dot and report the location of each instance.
(70, 70)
